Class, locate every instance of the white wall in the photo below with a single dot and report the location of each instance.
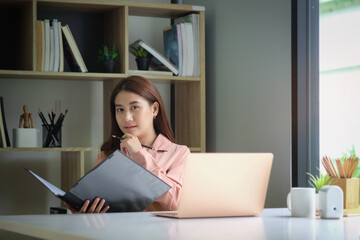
(248, 82)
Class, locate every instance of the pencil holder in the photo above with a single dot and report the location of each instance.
(350, 187)
(51, 135)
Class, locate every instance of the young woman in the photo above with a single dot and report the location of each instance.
(138, 116)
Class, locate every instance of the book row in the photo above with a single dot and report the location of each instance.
(55, 42)
(182, 45)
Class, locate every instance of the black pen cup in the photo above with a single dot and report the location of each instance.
(51, 135)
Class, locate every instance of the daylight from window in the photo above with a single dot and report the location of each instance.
(339, 49)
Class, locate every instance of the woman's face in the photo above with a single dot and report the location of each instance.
(134, 114)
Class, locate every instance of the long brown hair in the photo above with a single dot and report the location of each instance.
(146, 89)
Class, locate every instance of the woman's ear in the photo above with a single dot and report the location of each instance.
(155, 109)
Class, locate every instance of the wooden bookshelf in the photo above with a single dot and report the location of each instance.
(72, 161)
(110, 18)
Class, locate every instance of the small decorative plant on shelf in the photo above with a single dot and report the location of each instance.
(141, 52)
(107, 57)
(143, 58)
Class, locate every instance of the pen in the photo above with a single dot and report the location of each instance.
(120, 138)
(61, 119)
(53, 114)
(50, 117)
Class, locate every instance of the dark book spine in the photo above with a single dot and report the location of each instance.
(69, 56)
(1, 141)
(4, 122)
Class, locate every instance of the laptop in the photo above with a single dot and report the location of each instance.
(223, 185)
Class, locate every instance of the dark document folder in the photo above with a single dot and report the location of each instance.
(125, 185)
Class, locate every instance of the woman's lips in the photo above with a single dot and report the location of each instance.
(130, 127)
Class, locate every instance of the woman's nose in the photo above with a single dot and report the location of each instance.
(128, 116)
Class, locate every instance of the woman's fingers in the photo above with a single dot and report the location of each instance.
(96, 207)
(84, 207)
(105, 209)
(130, 144)
(100, 206)
(93, 205)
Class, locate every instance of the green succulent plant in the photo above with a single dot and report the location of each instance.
(104, 53)
(141, 52)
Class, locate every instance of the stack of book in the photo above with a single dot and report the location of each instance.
(182, 45)
(53, 43)
(4, 135)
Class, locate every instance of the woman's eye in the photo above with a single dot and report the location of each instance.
(134, 107)
(119, 109)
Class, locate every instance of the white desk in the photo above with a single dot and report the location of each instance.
(273, 224)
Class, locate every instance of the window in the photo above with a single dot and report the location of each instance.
(339, 78)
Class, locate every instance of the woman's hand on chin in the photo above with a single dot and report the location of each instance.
(130, 144)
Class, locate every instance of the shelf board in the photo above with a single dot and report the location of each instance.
(78, 76)
(22, 74)
(62, 149)
(164, 10)
(171, 78)
(146, 9)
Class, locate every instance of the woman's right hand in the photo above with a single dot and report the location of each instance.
(96, 207)
(130, 144)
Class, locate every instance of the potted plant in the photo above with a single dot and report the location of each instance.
(143, 58)
(108, 58)
(318, 182)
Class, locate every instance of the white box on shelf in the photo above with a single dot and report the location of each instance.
(25, 137)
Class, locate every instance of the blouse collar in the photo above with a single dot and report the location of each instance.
(161, 142)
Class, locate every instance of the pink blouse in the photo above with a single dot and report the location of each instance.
(168, 166)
